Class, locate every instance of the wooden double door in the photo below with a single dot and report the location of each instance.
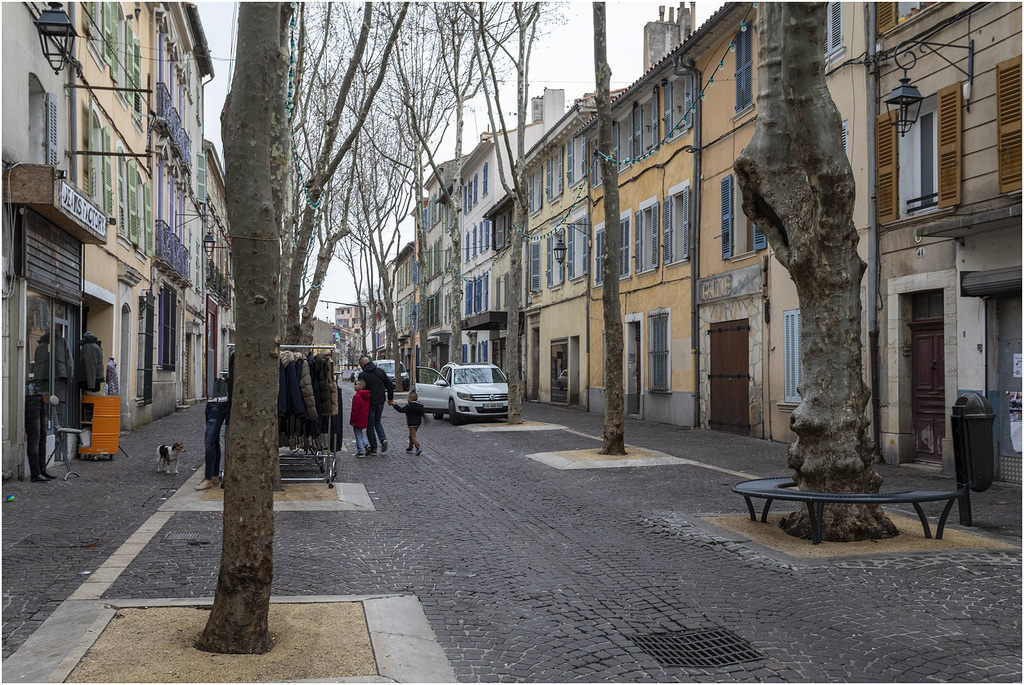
(729, 376)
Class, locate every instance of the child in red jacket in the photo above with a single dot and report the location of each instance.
(360, 416)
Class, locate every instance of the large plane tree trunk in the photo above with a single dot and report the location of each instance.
(614, 441)
(238, 622)
(798, 188)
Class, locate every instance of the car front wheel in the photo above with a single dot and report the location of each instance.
(453, 416)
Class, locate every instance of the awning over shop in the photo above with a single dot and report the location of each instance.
(992, 282)
(484, 321)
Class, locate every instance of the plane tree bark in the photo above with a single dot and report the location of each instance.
(238, 620)
(614, 441)
(798, 187)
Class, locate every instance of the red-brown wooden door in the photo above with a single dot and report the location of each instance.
(928, 384)
(730, 377)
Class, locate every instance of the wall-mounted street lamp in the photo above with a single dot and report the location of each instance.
(903, 104)
(56, 36)
(560, 249)
(209, 245)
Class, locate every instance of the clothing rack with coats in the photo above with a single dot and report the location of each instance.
(309, 413)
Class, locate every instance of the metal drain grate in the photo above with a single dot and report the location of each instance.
(704, 649)
(181, 536)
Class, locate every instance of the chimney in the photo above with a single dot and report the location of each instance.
(671, 15)
(553, 106)
(660, 38)
(536, 109)
(686, 17)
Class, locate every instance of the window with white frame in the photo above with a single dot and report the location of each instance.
(678, 99)
(554, 269)
(676, 225)
(919, 169)
(647, 236)
(659, 351)
(739, 234)
(577, 240)
(793, 363)
(834, 29)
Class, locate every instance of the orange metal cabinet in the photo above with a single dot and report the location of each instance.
(102, 415)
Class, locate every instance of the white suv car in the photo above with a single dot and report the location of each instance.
(463, 391)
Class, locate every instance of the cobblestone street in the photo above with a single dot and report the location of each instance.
(529, 573)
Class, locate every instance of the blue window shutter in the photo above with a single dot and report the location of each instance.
(684, 223)
(485, 179)
(624, 247)
(667, 95)
(599, 258)
(478, 294)
(654, 235)
(540, 186)
(654, 117)
(487, 233)
(727, 216)
(791, 354)
(561, 169)
(585, 262)
(638, 132)
(465, 352)
(549, 263)
(570, 158)
(667, 248)
(760, 239)
(549, 188)
(486, 300)
(688, 100)
(469, 297)
(534, 265)
(484, 356)
(531, 191)
(467, 246)
(570, 239)
(476, 187)
(638, 239)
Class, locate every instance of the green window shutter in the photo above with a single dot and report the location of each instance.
(137, 67)
(90, 176)
(133, 202)
(122, 219)
(201, 177)
(110, 37)
(108, 174)
(147, 219)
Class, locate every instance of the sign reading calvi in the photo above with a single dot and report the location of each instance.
(738, 283)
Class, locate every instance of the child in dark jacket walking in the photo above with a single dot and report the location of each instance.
(360, 416)
(413, 411)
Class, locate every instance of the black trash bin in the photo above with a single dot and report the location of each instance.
(972, 423)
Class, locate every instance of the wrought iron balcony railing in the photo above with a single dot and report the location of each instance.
(170, 249)
(169, 118)
(217, 284)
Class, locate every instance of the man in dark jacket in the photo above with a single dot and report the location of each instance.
(381, 389)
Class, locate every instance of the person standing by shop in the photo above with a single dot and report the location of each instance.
(381, 390)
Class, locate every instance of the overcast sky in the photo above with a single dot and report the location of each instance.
(562, 59)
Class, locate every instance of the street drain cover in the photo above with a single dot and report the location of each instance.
(703, 649)
(182, 536)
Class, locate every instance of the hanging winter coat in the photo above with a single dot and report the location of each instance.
(306, 385)
(323, 383)
(90, 364)
(335, 407)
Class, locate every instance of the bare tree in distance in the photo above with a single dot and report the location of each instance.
(798, 187)
(523, 18)
(614, 431)
(383, 202)
(323, 144)
(238, 621)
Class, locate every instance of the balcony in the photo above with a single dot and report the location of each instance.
(170, 251)
(169, 122)
(217, 284)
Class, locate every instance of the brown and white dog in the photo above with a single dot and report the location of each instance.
(167, 456)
